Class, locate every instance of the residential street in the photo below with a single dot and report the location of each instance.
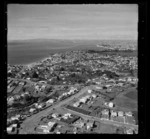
(104, 121)
(29, 122)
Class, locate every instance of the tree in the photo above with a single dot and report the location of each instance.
(62, 69)
(48, 89)
(119, 131)
(35, 75)
(58, 78)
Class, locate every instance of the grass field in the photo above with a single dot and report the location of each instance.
(107, 129)
(125, 102)
(132, 95)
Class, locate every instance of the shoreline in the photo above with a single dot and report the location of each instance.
(32, 64)
(37, 62)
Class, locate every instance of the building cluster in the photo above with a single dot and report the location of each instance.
(105, 110)
(62, 123)
(118, 116)
(58, 123)
(59, 68)
(15, 116)
(31, 89)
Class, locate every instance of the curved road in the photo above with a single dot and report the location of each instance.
(29, 123)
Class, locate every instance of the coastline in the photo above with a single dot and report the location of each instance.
(32, 64)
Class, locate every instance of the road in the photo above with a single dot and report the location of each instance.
(104, 121)
(29, 122)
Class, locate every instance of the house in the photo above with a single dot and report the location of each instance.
(50, 101)
(17, 96)
(105, 112)
(90, 124)
(83, 100)
(109, 104)
(14, 125)
(9, 129)
(41, 105)
(42, 82)
(120, 84)
(10, 99)
(78, 124)
(22, 83)
(56, 116)
(76, 104)
(120, 113)
(51, 124)
(113, 113)
(43, 86)
(66, 116)
(108, 85)
(36, 104)
(37, 87)
(14, 118)
(32, 110)
(129, 131)
(26, 93)
(94, 96)
(97, 87)
(89, 91)
(128, 114)
(47, 128)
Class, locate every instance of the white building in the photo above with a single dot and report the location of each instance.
(67, 114)
(32, 109)
(120, 113)
(15, 118)
(113, 113)
(83, 100)
(128, 114)
(14, 125)
(129, 131)
(9, 129)
(98, 87)
(50, 101)
(51, 124)
(55, 115)
(105, 111)
(76, 104)
(108, 85)
(10, 99)
(94, 96)
(111, 105)
(89, 91)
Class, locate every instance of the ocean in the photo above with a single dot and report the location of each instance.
(29, 51)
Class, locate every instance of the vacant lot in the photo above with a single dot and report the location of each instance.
(132, 95)
(125, 102)
(107, 129)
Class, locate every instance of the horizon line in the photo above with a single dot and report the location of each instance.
(8, 40)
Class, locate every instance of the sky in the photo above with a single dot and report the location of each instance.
(83, 21)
